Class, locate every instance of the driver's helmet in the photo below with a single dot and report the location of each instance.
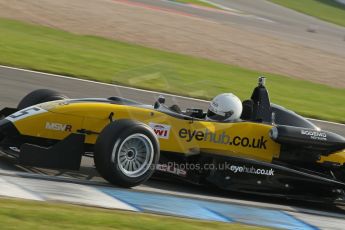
(224, 107)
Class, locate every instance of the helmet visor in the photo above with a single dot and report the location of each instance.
(217, 117)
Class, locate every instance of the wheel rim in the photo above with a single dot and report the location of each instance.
(135, 155)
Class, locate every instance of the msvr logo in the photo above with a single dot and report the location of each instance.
(58, 127)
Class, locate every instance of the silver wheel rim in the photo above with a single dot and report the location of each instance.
(135, 155)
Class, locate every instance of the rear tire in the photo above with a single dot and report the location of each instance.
(126, 153)
(40, 96)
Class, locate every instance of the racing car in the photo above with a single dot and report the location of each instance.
(270, 150)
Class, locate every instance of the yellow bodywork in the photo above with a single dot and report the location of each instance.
(337, 157)
(248, 139)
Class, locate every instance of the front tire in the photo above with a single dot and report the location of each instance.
(39, 96)
(126, 153)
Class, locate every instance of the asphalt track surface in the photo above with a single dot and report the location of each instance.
(17, 83)
(267, 18)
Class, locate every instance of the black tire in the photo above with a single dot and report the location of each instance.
(2, 137)
(40, 96)
(107, 152)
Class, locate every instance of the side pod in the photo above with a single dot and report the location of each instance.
(65, 154)
(326, 141)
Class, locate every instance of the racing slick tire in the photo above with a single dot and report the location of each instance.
(126, 153)
(40, 96)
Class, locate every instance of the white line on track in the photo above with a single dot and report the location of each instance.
(222, 10)
(131, 88)
(329, 122)
(221, 6)
(101, 83)
(162, 10)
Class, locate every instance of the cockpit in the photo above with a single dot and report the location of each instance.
(257, 108)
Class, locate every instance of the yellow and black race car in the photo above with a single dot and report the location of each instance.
(271, 150)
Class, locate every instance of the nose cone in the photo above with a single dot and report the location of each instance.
(7, 128)
(24, 113)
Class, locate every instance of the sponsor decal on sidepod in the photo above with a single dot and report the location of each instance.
(252, 170)
(315, 135)
(171, 169)
(162, 131)
(222, 138)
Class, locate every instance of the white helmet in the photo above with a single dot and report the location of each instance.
(224, 107)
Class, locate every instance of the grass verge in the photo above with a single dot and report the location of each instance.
(328, 10)
(23, 214)
(50, 50)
